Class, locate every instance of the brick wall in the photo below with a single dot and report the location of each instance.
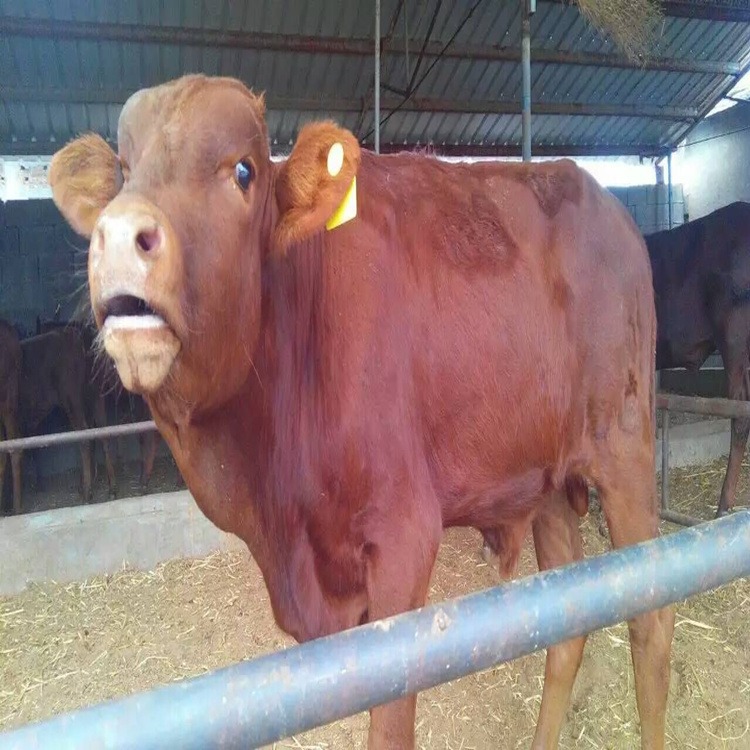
(649, 206)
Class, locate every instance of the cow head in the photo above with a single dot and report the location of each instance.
(181, 222)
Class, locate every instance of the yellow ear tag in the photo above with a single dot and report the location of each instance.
(347, 210)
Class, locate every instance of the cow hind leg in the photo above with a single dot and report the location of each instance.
(100, 420)
(76, 417)
(13, 432)
(557, 539)
(736, 362)
(148, 454)
(628, 499)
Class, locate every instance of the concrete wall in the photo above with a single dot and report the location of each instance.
(72, 544)
(649, 205)
(42, 263)
(714, 165)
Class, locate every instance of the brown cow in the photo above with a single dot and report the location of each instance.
(102, 385)
(10, 369)
(53, 374)
(701, 276)
(478, 340)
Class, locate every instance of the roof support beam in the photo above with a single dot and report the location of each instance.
(415, 104)
(503, 150)
(137, 34)
(715, 11)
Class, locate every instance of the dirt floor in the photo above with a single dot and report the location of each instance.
(62, 647)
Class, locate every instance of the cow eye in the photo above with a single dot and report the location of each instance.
(244, 173)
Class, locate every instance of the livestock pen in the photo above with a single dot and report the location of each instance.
(65, 646)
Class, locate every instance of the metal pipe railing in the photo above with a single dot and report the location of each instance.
(713, 407)
(260, 701)
(76, 436)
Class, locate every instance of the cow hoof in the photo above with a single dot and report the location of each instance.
(487, 555)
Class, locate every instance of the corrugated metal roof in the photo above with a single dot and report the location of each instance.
(65, 77)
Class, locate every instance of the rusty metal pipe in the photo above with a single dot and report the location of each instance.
(76, 436)
(715, 407)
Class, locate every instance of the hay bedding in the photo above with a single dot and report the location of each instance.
(66, 646)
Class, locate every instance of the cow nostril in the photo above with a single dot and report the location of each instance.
(148, 240)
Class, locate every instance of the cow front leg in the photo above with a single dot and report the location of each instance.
(400, 559)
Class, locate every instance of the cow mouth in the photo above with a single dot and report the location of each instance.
(128, 307)
(139, 340)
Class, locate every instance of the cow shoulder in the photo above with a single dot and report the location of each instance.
(552, 183)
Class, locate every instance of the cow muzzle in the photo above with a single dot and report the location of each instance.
(131, 259)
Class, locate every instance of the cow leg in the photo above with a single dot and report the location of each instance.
(100, 420)
(400, 561)
(628, 499)
(12, 432)
(147, 442)
(557, 539)
(735, 358)
(77, 419)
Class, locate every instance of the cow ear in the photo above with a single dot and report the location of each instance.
(85, 176)
(316, 185)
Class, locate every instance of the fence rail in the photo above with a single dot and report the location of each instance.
(260, 701)
(714, 407)
(76, 436)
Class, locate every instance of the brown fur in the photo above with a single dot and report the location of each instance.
(459, 354)
(53, 374)
(103, 387)
(84, 176)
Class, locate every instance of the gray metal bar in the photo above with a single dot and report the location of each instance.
(665, 461)
(669, 187)
(715, 407)
(526, 71)
(413, 104)
(376, 114)
(330, 45)
(260, 701)
(76, 436)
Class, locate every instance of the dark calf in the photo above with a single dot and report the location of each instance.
(53, 374)
(701, 274)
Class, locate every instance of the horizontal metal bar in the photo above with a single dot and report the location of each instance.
(335, 104)
(679, 518)
(488, 150)
(260, 701)
(75, 436)
(327, 45)
(714, 407)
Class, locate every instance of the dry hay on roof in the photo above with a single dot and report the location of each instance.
(631, 24)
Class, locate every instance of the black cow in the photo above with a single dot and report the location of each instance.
(701, 274)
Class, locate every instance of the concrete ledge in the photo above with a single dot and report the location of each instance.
(71, 544)
(696, 443)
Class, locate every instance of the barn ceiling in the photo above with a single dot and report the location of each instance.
(68, 65)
